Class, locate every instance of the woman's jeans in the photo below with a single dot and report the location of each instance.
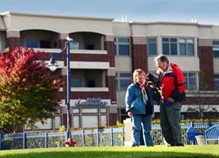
(139, 121)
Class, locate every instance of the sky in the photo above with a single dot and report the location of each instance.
(204, 11)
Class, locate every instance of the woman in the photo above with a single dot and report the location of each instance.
(139, 106)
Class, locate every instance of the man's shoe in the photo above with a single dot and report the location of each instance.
(169, 145)
(177, 144)
(135, 145)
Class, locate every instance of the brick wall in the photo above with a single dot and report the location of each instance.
(206, 79)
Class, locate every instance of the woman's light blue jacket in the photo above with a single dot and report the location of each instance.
(134, 102)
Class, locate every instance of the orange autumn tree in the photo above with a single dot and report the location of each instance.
(28, 92)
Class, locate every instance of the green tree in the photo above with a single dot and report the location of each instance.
(28, 92)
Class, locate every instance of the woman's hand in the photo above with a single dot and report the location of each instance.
(130, 114)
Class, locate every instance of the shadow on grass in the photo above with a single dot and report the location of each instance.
(112, 154)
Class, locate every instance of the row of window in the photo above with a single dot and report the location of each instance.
(178, 46)
(123, 79)
(170, 46)
(94, 121)
(79, 121)
(35, 43)
(96, 116)
(50, 123)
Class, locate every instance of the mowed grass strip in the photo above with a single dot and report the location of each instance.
(194, 151)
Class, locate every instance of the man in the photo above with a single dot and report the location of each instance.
(172, 92)
(139, 106)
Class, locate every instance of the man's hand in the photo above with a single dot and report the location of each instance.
(130, 114)
(171, 100)
(168, 102)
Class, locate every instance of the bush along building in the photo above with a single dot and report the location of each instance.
(104, 54)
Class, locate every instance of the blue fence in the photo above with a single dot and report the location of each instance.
(95, 137)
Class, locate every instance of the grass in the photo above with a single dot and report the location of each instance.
(193, 151)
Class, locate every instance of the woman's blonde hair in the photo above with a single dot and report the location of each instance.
(136, 72)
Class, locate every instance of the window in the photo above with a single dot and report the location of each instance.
(122, 45)
(91, 83)
(190, 78)
(103, 121)
(216, 81)
(93, 121)
(76, 122)
(178, 46)
(103, 110)
(152, 46)
(89, 47)
(186, 46)
(75, 111)
(36, 43)
(90, 110)
(216, 48)
(74, 45)
(169, 46)
(57, 122)
(31, 43)
(46, 125)
(45, 44)
(89, 117)
(122, 80)
(76, 81)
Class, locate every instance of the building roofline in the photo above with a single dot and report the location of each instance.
(165, 23)
(171, 23)
(7, 13)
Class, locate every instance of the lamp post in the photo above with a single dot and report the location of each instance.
(53, 66)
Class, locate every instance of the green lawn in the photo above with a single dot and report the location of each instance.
(199, 151)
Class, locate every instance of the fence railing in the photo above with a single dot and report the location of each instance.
(95, 137)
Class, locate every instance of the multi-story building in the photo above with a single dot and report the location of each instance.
(104, 54)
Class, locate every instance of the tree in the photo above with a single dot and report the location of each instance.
(28, 92)
(204, 104)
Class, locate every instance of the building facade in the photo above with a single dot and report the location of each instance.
(104, 54)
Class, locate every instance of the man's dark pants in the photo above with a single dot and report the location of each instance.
(170, 123)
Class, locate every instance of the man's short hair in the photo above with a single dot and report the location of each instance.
(161, 58)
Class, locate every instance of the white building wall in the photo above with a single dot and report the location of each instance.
(19, 22)
(123, 63)
(121, 29)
